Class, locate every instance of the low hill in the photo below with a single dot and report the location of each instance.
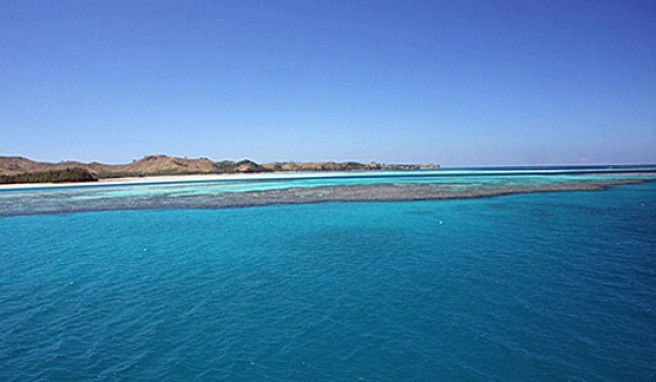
(153, 165)
(19, 165)
(343, 166)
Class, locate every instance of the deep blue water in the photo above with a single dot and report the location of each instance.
(533, 287)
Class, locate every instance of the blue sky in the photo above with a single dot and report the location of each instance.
(460, 83)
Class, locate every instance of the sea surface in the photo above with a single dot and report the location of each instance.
(557, 286)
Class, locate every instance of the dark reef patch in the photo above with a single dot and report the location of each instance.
(50, 202)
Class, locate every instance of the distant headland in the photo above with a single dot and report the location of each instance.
(17, 169)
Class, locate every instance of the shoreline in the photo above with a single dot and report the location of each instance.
(283, 175)
(164, 179)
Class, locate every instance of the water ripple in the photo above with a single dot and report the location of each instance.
(525, 287)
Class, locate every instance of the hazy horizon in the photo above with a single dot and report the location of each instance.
(453, 83)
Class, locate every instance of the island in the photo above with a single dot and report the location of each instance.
(16, 169)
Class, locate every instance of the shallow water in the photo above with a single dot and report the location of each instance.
(209, 193)
(540, 287)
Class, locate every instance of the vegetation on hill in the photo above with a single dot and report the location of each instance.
(75, 174)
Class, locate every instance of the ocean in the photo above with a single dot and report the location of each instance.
(548, 286)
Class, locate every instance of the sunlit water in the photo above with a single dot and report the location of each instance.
(534, 287)
(158, 194)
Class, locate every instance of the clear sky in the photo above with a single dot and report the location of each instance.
(459, 83)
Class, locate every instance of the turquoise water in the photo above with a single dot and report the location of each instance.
(158, 194)
(534, 287)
